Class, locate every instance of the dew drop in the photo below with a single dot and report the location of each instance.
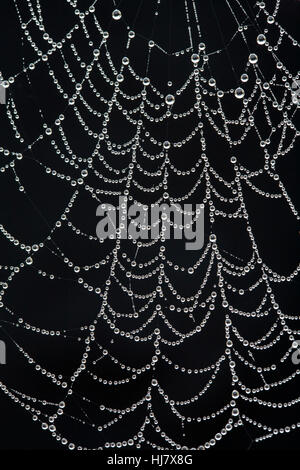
(253, 58)
(195, 58)
(170, 99)
(116, 14)
(261, 39)
(239, 93)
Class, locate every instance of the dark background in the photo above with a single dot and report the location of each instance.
(62, 304)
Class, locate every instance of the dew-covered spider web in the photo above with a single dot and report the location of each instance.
(140, 343)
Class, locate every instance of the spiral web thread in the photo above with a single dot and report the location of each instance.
(157, 313)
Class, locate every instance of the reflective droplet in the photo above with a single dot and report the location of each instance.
(29, 260)
(170, 99)
(239, 93)
(116, 14)
(244, 78)
(195, 58)
(261, 39)
(253, 58)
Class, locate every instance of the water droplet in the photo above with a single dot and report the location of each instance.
(170, 99)
(244, 77)
(253, 58)
(195, 58)
(239, 93)
(116, 14)
(261, 39)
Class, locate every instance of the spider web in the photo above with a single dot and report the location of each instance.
(140, 343)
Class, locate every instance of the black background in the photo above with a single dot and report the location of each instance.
(61, 303)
